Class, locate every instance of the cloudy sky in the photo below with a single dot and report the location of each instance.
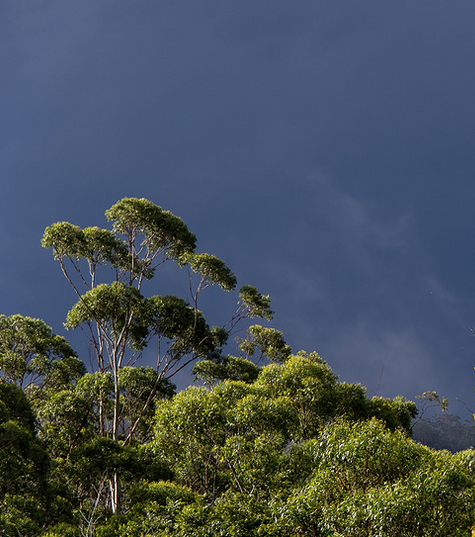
(323, 149)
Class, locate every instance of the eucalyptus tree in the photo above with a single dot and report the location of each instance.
(108, 270)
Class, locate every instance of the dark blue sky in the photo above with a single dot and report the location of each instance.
(324, 150)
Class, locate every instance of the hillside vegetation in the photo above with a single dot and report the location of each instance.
(282, 448)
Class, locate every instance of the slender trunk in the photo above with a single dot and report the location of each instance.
(115, 481)
(99, 348)
(115, 493)
(101, 416)
(115, 423)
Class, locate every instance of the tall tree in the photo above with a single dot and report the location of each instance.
(108, 269)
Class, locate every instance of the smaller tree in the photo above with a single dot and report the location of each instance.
(29, 351)
(25, 497)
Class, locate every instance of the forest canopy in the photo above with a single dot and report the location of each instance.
(266, 442)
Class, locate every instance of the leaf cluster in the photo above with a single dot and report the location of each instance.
(29, 350)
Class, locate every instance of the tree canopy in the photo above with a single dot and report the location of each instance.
(121, 321)
(265, 443)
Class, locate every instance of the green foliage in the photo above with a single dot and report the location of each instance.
(188, 429)
(120, 321)
(276, 450)
(397, 412)
(270, 342)
(23, 462)
(98, 246)
(241, 515)
(227, 438)
(136, 385)
(20, 515)
(117, 309)
(212, 270)
(172, 510)
(227, 368)
(319, 398)
(16, 407)
(238, 435)
(366, 455)
(257, 305)
(67, 420)
(163, 509)
(24, 467)
(64, 373)
(160, 230)
(66, 240)
(62, 529)
(309, 384)
(235, 458)
(233, 437)
(173, 319)
(29, 349)
(371, 481)
(159, 492)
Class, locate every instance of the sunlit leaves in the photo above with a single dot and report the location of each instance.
(366, 454)
(101, 246)
(257, 305)
(28, 349)
(228, 367)
(98, 246)
(270, 341)
(160, 229)
(117, 318)
(309, 383)
(397, 412)
(66, 240)
(212, 270)
(230, 436)
(109, 270)
(158, 232)
(187, 431)
(370, 481)
(115, 308)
